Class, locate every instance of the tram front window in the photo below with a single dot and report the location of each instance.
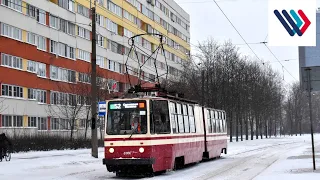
(127, 118)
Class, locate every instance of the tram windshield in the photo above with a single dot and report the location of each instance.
(126, 117)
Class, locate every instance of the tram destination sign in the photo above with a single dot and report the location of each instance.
(127, 105)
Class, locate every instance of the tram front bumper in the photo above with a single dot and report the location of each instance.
(135, 161)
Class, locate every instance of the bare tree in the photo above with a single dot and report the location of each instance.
(68, 105)
(2, 105)
(249, 91)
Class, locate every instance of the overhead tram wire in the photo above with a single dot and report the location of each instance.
(279, 62)
(79, 23)
(237, 30)
(69, 21)
(104, 9)
(246, 42)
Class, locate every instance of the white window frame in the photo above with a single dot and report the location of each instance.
(12, 89)
(10, 61)
(84, 55)
(13, 4)
(11, 32)
(37, 68)
(84, 33)
(54, 22)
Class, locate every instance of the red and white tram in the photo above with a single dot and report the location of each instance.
(155, 134)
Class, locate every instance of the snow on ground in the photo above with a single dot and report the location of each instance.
(275, 158)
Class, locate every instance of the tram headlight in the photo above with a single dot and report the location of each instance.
(111, 150)
(141, 150)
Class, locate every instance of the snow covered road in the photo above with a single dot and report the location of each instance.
(275, 158)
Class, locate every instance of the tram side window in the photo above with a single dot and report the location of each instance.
(224, 122)
(191, 119)
(213, 121)
(160, 122)
(216, 120)
(180, 118)
(173, 117)
(209, 121)
(185, 118)
(219, 122)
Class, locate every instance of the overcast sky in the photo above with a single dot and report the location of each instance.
(250, 18)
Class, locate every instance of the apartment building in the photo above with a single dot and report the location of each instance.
(45, 54)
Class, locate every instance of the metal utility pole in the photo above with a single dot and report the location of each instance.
(202, 88)
(311, 122)
(94, 138)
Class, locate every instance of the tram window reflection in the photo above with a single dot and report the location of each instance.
(160, 122)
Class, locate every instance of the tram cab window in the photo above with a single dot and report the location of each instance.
(126, 118)
(159, 120)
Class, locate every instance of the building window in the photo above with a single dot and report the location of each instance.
(62, 49)
(129, 16)
(67, 27)
(84, 55)
(11, 32)
(114, 8)
(100, 20)
(111, 26)
(32, 121)
(111, 65)
(59, 98)
(100, 61)
(85, 78)
(100, 40)
(128, 33)
(84, 33)
(55, 124)
(83, 10)
(42, 123)
(14, 4)
(11, 61)
(31, 11)
(31, 38)
(62, 74)
(66, 4)
(12, 91)
(41, 16)
(39, 95)
(11, 121)
(41, 43)
(37, 68)
(54, 21)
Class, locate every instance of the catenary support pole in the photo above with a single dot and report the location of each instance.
(311, 121)
(94, 138)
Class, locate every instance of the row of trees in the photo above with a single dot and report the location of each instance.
(297, 113)
(251, 93)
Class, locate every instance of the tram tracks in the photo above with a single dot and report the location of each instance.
(250, 166)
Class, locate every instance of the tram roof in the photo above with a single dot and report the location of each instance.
(161, 98)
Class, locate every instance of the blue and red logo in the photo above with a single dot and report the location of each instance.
(295, 25)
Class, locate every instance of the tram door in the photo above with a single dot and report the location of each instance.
(160, 125)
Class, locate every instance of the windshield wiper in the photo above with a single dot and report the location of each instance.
(133, 130)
